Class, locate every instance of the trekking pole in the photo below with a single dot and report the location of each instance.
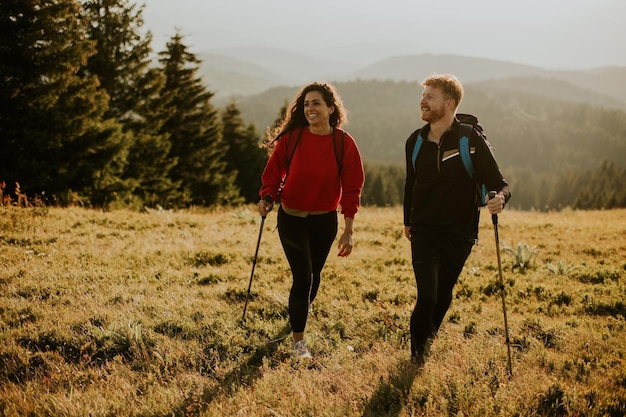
(494, 219)
(268, 198)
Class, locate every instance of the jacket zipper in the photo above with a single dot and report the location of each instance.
(439, 155)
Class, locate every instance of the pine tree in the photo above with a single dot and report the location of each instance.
(244, 156)
(373, 193)
(194, 130)
(150, 164)
(122, 57)
(122, 63)
(53, 137)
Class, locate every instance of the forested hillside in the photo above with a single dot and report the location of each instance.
(383, 113)
(552, 88)
(548, 148)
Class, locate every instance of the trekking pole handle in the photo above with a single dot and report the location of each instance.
(267, 199)
(494, 217)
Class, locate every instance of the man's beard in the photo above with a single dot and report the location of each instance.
(434, 115)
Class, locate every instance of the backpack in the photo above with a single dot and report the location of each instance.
(338, 157)
(468, 122)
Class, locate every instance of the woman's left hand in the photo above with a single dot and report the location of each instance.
(345, 244)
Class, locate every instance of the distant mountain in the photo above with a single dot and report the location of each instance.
(610, 81)
(246, 71)
(467, 69)
(231, 77)
(293, 67)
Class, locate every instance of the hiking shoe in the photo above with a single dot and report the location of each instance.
(418, 360)
(419, 355)
(300, 350)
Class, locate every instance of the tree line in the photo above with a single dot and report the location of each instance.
(91, 115)
(88, 115)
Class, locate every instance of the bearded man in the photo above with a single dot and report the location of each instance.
(441, 211)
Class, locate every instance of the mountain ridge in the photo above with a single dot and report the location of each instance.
(232, 72)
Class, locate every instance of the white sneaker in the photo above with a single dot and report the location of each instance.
(300, 350)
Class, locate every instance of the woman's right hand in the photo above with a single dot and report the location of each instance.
(264, 207)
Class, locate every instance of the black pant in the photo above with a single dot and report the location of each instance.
(306, 242)
(437, 263)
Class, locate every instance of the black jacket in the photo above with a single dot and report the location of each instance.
(439, 195)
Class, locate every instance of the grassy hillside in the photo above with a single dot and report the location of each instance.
(124, 313)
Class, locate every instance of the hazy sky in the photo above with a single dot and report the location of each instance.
(555, 34)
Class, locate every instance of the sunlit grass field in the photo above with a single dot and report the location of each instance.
(140, 314)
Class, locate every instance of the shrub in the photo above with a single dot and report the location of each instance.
(523, 256)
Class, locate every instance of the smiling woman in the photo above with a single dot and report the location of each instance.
(314, 168)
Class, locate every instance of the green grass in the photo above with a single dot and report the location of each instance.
(139, 314)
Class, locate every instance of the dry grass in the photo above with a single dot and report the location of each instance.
(137, 314)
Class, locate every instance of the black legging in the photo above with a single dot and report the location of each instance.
(437, 264)
(306, 242)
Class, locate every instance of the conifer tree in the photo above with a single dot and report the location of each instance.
(193, 126)
(122, 63)
(150, 163)
(244, 156)
(122, 56)
(53, 137)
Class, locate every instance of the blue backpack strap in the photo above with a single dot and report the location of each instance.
(466, 131)
(416, 148)
(464, 148)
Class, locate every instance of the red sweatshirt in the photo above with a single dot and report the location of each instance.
(314, 183)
